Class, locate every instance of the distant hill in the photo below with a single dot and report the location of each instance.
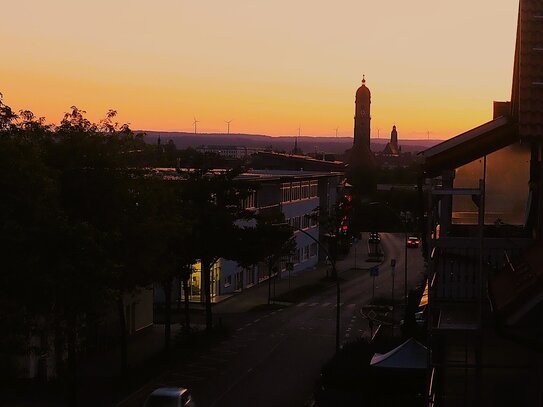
(308, 144)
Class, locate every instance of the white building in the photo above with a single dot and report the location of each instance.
(298, 195)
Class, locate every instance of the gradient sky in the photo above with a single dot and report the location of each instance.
(267, 65)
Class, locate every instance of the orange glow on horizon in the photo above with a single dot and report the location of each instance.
(430, 67)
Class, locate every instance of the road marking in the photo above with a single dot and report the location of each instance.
(256, 320)
(248, 324)
(301, 304)
(326, 304)
(280, 309)
(313, 304)
(239, 329)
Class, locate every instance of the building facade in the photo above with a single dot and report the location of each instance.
(299, 196)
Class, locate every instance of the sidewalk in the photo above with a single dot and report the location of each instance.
(258, 294)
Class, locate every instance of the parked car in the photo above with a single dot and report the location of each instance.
(413, 241)
(169, 397)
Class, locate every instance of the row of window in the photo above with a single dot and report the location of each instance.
(294, 191)
(304, 253)
(300, 255)
(250, 201)
(302, 222)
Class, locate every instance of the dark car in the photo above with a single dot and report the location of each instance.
(374, 237)
(169, 397)
(413, 241)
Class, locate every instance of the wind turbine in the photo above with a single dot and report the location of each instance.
(195, 123)
(228, 126)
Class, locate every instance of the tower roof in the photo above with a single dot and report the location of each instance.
(363, 90)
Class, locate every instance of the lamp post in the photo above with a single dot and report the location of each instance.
(334, 273)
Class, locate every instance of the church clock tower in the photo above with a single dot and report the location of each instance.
(360, 155)
(362, 117)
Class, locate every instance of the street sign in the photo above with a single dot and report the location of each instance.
(374, 271)
(392, 262)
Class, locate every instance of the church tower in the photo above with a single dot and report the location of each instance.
(394, 135)
(362, 117)
(361, 155)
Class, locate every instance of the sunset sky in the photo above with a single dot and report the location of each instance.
(267, 65)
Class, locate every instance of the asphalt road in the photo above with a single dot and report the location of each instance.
(274, 357)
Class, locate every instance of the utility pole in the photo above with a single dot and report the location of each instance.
(228, 126)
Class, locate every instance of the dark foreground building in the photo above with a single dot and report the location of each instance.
(484, 206)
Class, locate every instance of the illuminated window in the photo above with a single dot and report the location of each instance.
(227, 281)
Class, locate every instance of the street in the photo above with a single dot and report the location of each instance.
(274, 356)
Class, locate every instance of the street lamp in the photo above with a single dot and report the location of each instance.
(404, 227)
(334, 272)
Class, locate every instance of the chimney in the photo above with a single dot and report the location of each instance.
(502, 109)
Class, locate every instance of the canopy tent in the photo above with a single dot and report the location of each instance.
(409, 355)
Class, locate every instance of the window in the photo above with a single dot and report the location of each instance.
(250, 201)
(227, 281)
(238, 281)
(285, 192)
(296, 222)
(306, 253)
(305, 190)
(313, 250)
(250, 276)
(313, 188)
(296, 257)
(295, 195)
